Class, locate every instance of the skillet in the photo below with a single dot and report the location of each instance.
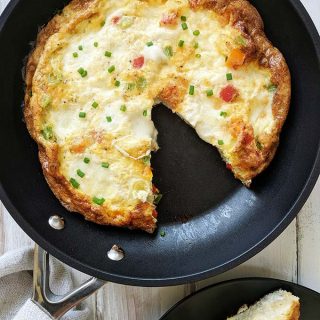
(211, 222)
(211, 302)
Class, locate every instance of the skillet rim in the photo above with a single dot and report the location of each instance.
(170, 281)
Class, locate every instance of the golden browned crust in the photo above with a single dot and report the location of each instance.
(250, 160)
(295, 312)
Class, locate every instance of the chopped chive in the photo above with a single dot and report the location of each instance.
(74, 183)
(123, 108)
(184, 26)
(220, 142)
(272, 87)
(259, 145)
(145, 113)
(196, 45)
(183, 18)
(196, 32)
(162, 234)
(241, 41)
(80, 173)
(149, 44)
(108, 54)
(47, 133)
(223, 114)
(117, 83)
(146, 159)
(83, 72)
(198, 55)
(96, 44)
(191, 90)
(209, 92)
(168, 51)
(86, 160)
(130, 86)
(82, 114)
(109, 119)
(102, 23)
(229, 76)
(181, 43)
(105, 165)
(95, 104)
(80, 48)
(98, 201)
(111, 69)
(75, 55)
(157, 199)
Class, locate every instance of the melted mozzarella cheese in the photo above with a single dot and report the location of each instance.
(119, 130)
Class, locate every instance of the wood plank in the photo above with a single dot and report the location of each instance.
(278, 260)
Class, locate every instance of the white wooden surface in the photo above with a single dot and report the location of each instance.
(294, 256)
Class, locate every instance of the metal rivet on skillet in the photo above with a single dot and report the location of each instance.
(116, 253)
(56, 222)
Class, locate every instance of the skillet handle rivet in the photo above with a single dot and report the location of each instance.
(56, 222)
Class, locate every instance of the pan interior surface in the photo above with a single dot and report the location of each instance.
(211, 222)
(223, 300)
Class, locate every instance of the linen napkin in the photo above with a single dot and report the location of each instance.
(16, 287)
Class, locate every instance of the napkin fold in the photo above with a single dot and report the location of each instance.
(16, 287)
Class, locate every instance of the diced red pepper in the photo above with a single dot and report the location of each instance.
(115, 19)
(229, 166)
(138, 63)
(247, 138)
(229, 93)
(155, 213)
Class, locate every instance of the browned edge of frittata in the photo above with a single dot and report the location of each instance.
(250, 161)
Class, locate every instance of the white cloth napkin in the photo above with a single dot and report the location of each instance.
(16, 287)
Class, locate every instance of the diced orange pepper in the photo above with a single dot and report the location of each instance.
(236, 58)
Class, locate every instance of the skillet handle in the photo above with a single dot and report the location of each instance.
(56, 306)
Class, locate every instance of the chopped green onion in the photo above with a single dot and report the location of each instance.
(80, 173)
(123, 108)
(108, 54)
(196, 32)
(220, 142)
(111, 69)
(86, 160)
(196, 45)
(117, 83)
(162, 234)
(102, 23)
(83, 72)
(223, 114)
(183, 18)
(95, 104)
(259, 145)
(105, 165)
(96, 44)
(47, 133)
(191, 90)
(146, 159)
(241, 41)
(198, 55)
(141, 83)
(75, 55)
(149, 44)
(184, 26)
(130, 86)
(209, 92)
(181, 43)
(145, 113)
(74, 183)
(80, 48)
(229, 76)
(157, 199)
(82, 114)
(109, 119)
(272, 87)
(168, 51)
(98, 201)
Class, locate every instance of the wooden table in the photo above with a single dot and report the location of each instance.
(294, 256)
